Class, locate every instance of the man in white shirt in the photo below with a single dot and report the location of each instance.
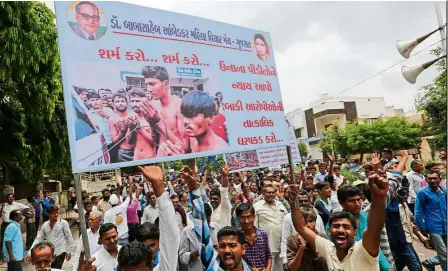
(56, 231)
(117, 215)
(42, 256)
(337, 175)
(222, 209)
(416, 180)
(95, 220)
(151, 211)
(105, 259)
(169, 240)
(270, 214)
(343, 253)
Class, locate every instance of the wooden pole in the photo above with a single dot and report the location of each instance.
(82, 220)
(291, 164)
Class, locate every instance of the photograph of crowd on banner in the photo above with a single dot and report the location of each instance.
(176, 87)
(240, 160)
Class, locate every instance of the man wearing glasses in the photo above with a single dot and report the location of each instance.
(87, 16)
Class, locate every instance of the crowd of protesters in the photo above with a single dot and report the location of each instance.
(254, 220)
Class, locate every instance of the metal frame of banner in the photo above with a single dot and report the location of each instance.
(82, 220)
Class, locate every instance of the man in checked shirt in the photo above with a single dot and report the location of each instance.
(57, 232)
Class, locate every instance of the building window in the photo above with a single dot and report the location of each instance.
(373, 120)
(298, 132)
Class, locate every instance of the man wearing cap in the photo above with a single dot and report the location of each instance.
(117, 216)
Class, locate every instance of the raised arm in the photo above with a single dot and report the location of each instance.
(379, 188)
(299, 221)
(169, 232)
(331, 159)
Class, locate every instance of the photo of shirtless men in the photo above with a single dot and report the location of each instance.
(142, 123)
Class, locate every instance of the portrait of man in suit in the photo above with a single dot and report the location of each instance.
(88, 21)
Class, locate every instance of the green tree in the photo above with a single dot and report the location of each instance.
(362, 137)
(33, 137)
(433, 104)
(303, 149)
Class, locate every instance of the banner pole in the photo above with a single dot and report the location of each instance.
(82, 220)
(291, 164)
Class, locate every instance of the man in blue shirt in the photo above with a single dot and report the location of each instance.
(13, 242)
(47, 201)
(430, 217)
(320, 176)
(37, 201)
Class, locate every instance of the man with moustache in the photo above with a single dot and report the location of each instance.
(231, 249)
(165, 107)
(122, 128)
(145, 145)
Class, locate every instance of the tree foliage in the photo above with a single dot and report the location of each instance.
(363, 137)
(433, 103)
(33, 137)
(303, 149)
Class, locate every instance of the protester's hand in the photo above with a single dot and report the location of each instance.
(300, 242)
(378, 186)
(404, 153)
(190, 177)
(168, 148)
(424, 233)
(425, 243)
(12, 259)
(132, 122)
(330, 157)
(68, 256)
(87, 265)
(28, 258)
(286, 267)
(149, 112)
(122, 126)
(152, 173)
(376, 158)
(225, 170)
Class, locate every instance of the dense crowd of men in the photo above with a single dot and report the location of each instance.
(141, 123)
(254, 220)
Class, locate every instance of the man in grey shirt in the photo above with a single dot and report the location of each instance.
(416, 179)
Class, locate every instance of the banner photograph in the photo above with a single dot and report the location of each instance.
(249, 160)
(143, 85)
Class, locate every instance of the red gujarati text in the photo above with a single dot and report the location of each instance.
(242, 85)
(193, 60)
(264, 86)
(272, 138)
(253, 140)
(109, 54)
(171, 58)
(231, 67)
(236, 106)
(265, 106)
(263, 122)
(138, 55)
(260, 70)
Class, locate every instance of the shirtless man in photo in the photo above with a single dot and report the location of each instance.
(145, 145)
(121, 125)
(198, 109)
(170, 122)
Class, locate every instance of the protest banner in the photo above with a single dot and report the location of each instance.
(249, 160)
(143, 85)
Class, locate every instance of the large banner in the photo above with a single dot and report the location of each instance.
(143, 85)
(249, 160)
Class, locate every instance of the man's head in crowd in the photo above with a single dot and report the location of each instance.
(231, 247)
(152, 199)
(442, 155)
(433, 179)
(253, 188)
(311, 170)
(157, 81)
(136, 96)
(215, 198)
(245, 188)
(106, 194)
(42, 256)
(114, 200)
(53, 212)
(402, 194)
(104, 92)
(198, 109)
(324, 189)
(149, 234)
(94, 100)
(417, 166)
(15, 215)
(342, 230)
(82, 93)
(235, 197)
(175, 200)
(350, 198)
(308, 183)
(310, 217)
(95, 220)
(108, 236)
(120, 102)
(88, 206)
(245, 213)
(135, 256)
(337, 170)
(10, 198)
(433, 166)
(94, 200)
(269, 194)
(387, 154)
(322, 168)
